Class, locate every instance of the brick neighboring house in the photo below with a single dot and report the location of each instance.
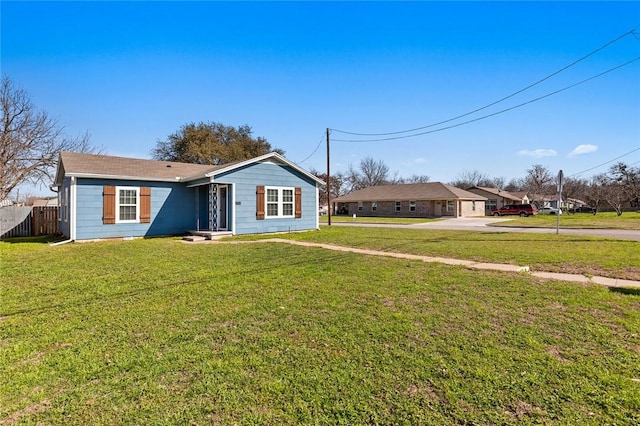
(432, 199)
(496, 198)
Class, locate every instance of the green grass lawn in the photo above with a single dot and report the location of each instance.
(541, 252)
(603, 220)
(606, 220)
(161, 332)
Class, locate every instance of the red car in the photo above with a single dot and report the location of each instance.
(523, 210)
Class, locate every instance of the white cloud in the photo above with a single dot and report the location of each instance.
(583, 149)
(537, 153)
(419, 161)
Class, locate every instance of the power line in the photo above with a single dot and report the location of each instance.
(631, 32)
(314, 151)
(605, 163)
(492, 114)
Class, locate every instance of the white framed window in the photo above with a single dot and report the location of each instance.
(127, 204)
(359, 206)
(473, 206)
(374, 206)
(412, 206)
(66, 204)
(280, 201)
(451, 206)
(398, 206)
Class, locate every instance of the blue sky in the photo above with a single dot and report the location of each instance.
(132, 73)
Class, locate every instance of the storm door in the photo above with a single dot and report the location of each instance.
(222, 207)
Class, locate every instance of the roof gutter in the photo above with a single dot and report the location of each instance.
(120, 177)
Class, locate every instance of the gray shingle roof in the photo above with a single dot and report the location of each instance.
(106, 166)
(410, 192)
(79, 164)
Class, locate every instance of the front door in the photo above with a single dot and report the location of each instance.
(222, 208)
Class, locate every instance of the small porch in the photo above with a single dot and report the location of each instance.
(194, 236)
(212, 211)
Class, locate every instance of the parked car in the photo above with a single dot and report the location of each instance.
(583, 209)
(523, 210)
(549, 210)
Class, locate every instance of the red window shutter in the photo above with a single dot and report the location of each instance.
(298, 203)
(260, 202)
(145, 205)
(108, 205)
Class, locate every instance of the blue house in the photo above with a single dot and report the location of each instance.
(114, 197)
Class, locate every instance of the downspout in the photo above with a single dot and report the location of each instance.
(73, 209)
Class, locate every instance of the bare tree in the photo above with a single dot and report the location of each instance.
(338, 185)
(629, 180)
(416, 179)
(514, 185)
(608, 189)
(539, 181)
(498, 182)
(469, 178)
(596, 191)
(30, 140)
(370, 173)
(373, 172)
(574, 188)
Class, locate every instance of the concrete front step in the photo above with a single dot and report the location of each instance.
(193, 238)
(207, 235)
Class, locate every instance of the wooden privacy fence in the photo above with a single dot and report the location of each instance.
(28, 221)
(44, 220)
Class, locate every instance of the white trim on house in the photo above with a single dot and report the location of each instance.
(137, 204)
(280, 202)
(124, 177)
(262, 159)
(233, 210)
(72, 209)
(317, 209)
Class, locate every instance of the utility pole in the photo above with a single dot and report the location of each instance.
(328, 182)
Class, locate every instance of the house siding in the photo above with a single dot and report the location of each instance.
(467, 209)
(246, 179)
(172, 210)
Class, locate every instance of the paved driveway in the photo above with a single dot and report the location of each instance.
(482, 224)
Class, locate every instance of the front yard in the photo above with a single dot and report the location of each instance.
(161, 332)
(541, 252)
(603, 220)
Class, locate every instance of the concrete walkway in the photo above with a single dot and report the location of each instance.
(608, 282)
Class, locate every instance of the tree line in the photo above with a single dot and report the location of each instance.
(615, 189)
